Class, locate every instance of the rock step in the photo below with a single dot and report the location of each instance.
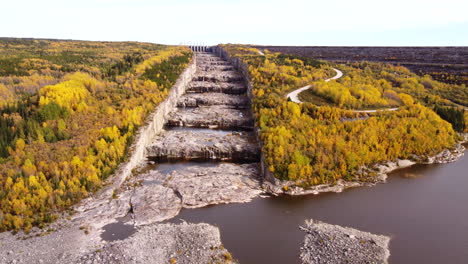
(204, 62)
(209, 68)
(216, 116)
(221, 76)
(220, 87)
(194, 145)
(206, 99)
(217, 182)
(213, 63)
(204, 59)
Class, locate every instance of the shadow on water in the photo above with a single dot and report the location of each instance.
(118, 231)
(422, 208)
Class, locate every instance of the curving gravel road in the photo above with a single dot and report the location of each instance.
(294, 95)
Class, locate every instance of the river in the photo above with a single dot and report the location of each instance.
(422, 208)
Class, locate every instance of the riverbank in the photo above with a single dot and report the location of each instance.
(411, 207)
(277, 187)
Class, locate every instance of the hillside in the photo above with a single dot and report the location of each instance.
(68, 112)
(313, 145)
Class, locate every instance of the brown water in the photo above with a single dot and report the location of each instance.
(422, 208)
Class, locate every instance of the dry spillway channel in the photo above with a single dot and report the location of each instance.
(212, 122)
(207, 153)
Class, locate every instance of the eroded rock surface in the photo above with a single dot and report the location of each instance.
(201, 186)
(325, 243)
(447, 156)
(217, 87)
(210, 67)
(190, 145)
(155, 204)
(164, 243)
(218, 76)
(206, 99)
(211, 116)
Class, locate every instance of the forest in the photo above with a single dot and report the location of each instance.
(68, 113)
(376, 85)
(313, 145)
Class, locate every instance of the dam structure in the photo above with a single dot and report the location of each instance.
(212, 121)
(207, 152)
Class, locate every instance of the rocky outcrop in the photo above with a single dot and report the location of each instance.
(216, 68)
(198, 186)
(218, 76)
(276, 187)
(220, 117)
(155, 204)
(447, 156)
(193, 145)
(164, 243)
(207, 99)
(325, 243)
(212, 87)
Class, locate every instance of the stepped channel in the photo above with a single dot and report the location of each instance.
(207, 152)
(198, 149)
(208, 106)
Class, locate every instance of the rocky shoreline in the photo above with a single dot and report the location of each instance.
(165, 243)
(277, 187)
(326, 243)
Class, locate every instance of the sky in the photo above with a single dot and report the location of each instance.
(263, 22)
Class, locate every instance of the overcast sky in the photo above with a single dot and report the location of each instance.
(286, 22)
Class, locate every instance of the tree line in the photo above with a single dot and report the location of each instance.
(59, 144)
(313, 145)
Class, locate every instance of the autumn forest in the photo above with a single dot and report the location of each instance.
(324, 140)
(68, 112)
(70, 109)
